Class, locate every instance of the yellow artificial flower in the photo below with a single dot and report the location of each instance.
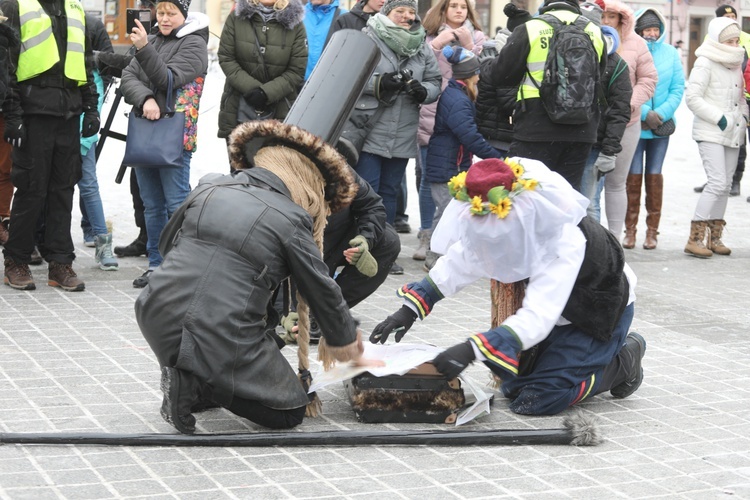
(516, 168)
(457, 182)
(502, 209)
(476, 205)
(530, 184)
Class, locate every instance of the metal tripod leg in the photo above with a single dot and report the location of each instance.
(106, 132)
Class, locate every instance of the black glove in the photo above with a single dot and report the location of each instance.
(15, 133)
(415, 89)
(398, 322)
(392, 82)
(257, 98)
(454, 360)
(90, 123)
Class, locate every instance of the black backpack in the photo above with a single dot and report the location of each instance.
(571, 73)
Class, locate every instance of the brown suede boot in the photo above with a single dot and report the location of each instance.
(654, 191)
(633, 187)
(62, 275)
(695, 245)
(716, 226)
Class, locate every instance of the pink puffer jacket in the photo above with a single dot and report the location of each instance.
(633, 48)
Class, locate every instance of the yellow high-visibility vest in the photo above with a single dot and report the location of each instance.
(540, 35)
(39, 48)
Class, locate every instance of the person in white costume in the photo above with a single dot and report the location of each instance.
(517, 221)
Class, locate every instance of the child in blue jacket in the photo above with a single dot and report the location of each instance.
(455, 138)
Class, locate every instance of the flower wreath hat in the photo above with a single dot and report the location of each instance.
(507, 219)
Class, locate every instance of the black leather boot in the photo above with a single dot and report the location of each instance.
(624, 375)
(135, 249)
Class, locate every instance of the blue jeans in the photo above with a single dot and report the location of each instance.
(426, 203)
(162, 190)
(591, 187)
(92, 212)
(384, 176)
(655, 151)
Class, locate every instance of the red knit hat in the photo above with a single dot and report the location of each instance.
(487, 174)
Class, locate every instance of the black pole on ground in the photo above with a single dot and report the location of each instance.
(326, 438)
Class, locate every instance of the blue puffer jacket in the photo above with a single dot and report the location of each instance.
(455, 136)
(671, 84)
(318, 20)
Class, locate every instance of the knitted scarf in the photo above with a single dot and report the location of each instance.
(404, 42)
(730, 57)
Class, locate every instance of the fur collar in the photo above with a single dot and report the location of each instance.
(290, 17)
(249, 137)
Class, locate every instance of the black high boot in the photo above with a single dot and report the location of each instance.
(624, 375)
(181, 392)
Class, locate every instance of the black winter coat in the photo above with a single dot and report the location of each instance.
(207, 309)
(355, 19)
(364, 216)
(495, 107)
(615, 108)
(531, 122)
(8, 40)
(51, 93)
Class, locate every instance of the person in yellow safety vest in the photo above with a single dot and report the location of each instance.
(563, 148)
(51, 88)
(734, 190)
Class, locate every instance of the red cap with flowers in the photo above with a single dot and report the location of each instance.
(490, 186)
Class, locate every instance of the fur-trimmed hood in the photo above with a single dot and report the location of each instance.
(254, 135)
(627, 18)
(290, 17)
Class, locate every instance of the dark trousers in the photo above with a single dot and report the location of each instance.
(566, 158)
(355, 286)
(45, 173)
(135, 192)
(265, 416)
(568, 368)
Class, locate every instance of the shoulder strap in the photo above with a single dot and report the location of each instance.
(551, 20)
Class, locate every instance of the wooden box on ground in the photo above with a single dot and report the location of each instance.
(421, 395)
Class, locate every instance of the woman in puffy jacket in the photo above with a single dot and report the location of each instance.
(715, 95)
(266, 77)
(643, 77)
(449, 23)
(650, 25)
(179, 47)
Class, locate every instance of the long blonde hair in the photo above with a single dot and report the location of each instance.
(471, 87)
(304, 181)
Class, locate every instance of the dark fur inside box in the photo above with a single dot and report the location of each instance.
(420, 396)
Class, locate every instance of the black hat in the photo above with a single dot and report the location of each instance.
(183, 5)
(723, 10)
(516, 16)
(649, 19)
